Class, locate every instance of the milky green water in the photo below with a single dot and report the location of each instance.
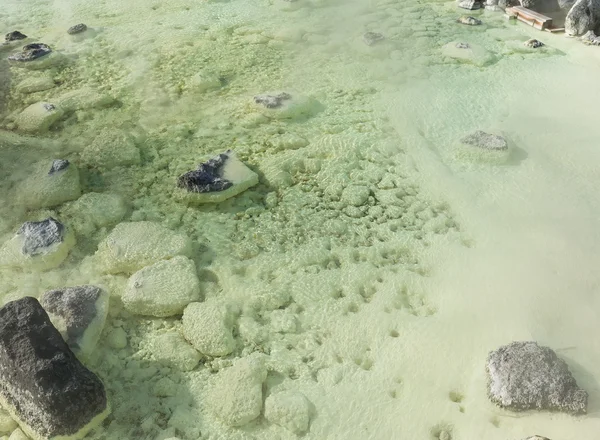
(399, 263)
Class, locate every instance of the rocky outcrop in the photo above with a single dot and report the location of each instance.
(526, 376)
(42, 384)
(584, 16)
(14, 36)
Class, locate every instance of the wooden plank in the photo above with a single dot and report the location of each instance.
(530, 13)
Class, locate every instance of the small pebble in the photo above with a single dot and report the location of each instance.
(468, 20)
(463, 45)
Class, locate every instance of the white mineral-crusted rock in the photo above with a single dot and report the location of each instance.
(162, 289)
(283, 105)
(203, 81)
(18, 434)
(99, 209)
(216, 180)
(35, 84)
(79, 314)
(38, 117)
(39, 245)
(289, 409)
(49, 184)
(584, 16)
(480, 146)
(133, 245)
(172, 349)
(208, 327)
(42, 384)
(83, 99)
(7, 423)
(117, 338)
(525, 376)
(468, 53)
(355, 195)
(237, 397)
(110, 149)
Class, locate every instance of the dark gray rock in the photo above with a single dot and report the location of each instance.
(370, 38)
(38, 236)
(485, 141)
(208, 177)
(591, 39)
(469, 4)
(41, 380)
(536, 437)
(14, 36)
(584, 16)
(533, 43)
(526, 376)
(272, 101)
(58, 165)
(463, 45)
(75, 307)
(469, 21)
(77, 29)
(31, 52)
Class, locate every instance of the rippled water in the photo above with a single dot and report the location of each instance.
(374, 265)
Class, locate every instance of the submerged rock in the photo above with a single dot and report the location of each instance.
(162, 289)
(14, 36)
(237, 397)
(38, 245)
(485, 141)
(469, 4)
(49, 184)
(31, 52)
(97, 209)
(370, 38)
(110, 149)
(32, 85)
(133, 245)
(524, 376)
(272, 101)
(468, 20)
(463, 46)
(283, 105)
(77, 29)
(216, 180)
(42, 384)
(208, 176)
(39, 236)
(38, 117)
(79, 314)
(533, 43)
(536, 437)
(468, 53)
(584, 16)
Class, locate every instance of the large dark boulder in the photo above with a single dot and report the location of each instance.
(526, 376)
(42, 384)
(584, 16)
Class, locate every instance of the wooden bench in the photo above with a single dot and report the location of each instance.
(530, 17)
